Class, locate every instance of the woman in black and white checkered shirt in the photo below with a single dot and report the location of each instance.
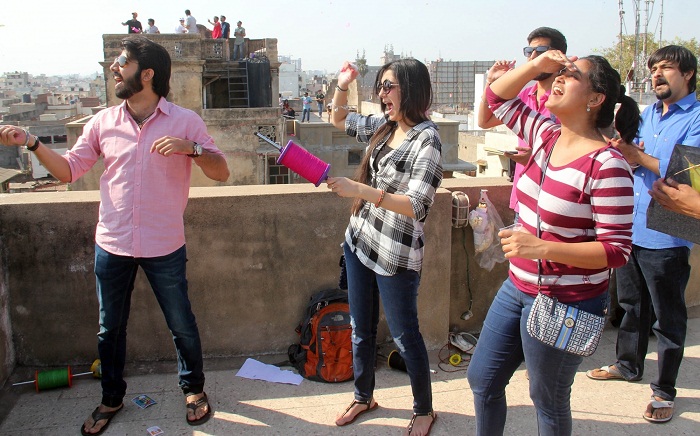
(393, 191)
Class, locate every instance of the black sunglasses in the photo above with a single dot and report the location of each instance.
(386, 86)
(527, 51)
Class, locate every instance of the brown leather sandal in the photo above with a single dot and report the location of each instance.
(432, 414)
(368, 408)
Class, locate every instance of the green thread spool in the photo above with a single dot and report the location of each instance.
(54, 378)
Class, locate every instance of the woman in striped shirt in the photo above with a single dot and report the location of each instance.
(577, 191)
(393, 192)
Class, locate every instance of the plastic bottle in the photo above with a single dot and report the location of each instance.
(481, 224)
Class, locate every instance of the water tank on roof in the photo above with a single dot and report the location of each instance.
(26, 98)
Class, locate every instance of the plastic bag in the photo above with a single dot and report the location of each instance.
(485, 221)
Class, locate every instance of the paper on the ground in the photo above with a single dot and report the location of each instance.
(256, 370)
(154, 431)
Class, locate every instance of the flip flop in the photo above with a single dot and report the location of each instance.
(656, 404)
(605, 373)
(99, 416)
(196, 405)
(432, 414)
(368, 408)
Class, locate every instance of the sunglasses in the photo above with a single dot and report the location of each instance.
(527, 51)
(121, 60)
(386, 86)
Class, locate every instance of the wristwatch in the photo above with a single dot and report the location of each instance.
(197, 150)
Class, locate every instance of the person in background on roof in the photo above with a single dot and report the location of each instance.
(133, 25)
(151, 27)
(393, 192)
(181, 27)
(575, 197)
(216, 32)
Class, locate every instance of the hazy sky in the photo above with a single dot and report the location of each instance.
(60, 37)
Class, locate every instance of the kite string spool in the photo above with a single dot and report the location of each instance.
(54, 378)
(304, 163)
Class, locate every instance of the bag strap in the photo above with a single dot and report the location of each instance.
(539, 230)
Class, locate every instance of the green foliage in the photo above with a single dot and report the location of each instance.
(361, 63)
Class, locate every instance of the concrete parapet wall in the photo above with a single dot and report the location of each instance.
(256, 254)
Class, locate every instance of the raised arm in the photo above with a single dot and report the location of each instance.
(52, 161)
(339, 105)
(510, 84)
(486, 120)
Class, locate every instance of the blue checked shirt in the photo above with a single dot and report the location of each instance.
(388, 242)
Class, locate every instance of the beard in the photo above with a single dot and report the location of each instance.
(542, 76)
(130, 86)
(662, 95)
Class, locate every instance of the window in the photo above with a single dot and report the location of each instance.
(354, 157)
(277, 174)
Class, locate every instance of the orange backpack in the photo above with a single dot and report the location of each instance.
(324, 351)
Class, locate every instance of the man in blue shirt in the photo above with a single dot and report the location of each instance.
(306, 107)
(658, 270)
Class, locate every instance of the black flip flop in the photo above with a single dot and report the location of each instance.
(196, 405)
(99, 416)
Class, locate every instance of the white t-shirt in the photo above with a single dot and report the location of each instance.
(151, 29)
(180, 29)
(191, 24)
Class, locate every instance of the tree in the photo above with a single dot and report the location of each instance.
(621, 55)
(361, 63)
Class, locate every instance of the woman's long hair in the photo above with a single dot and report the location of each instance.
(416, 97)
(606, 80)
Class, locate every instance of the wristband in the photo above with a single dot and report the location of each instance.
(341, 89)
(36, 145)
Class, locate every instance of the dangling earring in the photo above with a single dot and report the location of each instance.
(588, 108)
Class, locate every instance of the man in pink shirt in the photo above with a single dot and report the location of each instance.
(539, 41)
(148, 146)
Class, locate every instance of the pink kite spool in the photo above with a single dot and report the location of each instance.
(304, 163)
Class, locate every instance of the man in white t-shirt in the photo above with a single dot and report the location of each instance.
(151, 27)
(181, 27)
(191, 22)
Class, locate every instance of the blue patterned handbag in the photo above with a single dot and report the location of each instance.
(565, 327)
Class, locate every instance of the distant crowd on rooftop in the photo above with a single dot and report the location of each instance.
(221, 29)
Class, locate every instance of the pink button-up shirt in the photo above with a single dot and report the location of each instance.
(529, 97)
(143, 194)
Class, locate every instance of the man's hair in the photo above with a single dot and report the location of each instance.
(556, 38)
(679, 55)
(187, 12)
(150, 55)
(151, 20)
(223, 17)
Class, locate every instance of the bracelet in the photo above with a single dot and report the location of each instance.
(36, 145)
(381, 198)
(340, 89)
(336, 107)
(26, 137)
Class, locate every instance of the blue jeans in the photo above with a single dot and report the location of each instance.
(503, 345)
(306, 114)
(653, 280)
(237, 51)
(399, 294)
(115, 282)
(320, 109)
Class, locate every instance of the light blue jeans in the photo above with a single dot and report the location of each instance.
(115, 282)
(503, 345)
(399, 295)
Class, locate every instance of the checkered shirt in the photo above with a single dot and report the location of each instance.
(388, 242)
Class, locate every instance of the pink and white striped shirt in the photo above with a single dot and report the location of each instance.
(143, 195)
(589, 199)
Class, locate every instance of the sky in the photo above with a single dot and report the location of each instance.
(65, 37)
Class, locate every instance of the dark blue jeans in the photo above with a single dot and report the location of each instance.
(503, 345)
(306, 115)
(115, 283)
(653, 280)
(399, 295)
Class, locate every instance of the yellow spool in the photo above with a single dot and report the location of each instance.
(96, 368)
(455, 359)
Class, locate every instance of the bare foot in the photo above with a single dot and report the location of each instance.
(92, 426)
(351, 413)
(421, 425)
(199, 412)
(661, 413)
